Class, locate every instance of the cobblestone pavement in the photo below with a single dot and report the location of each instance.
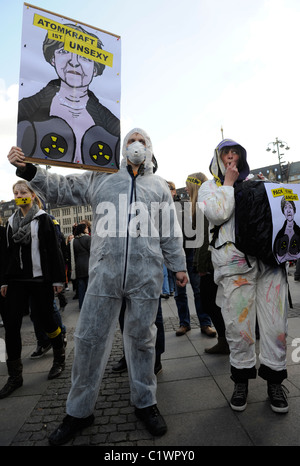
(115, 422)
(194, 390)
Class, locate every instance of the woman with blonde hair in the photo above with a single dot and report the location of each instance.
(203, 266)
(180, 293)
(33, 270)
(193, 184)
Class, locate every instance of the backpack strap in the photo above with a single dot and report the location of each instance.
(215, 232)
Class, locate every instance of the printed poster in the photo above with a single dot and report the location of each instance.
(69, 97)
(285, 208)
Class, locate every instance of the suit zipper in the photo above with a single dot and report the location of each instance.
(127, 236)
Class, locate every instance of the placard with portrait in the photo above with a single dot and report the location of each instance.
(69, 97)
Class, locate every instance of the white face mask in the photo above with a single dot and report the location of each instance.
(136, 153)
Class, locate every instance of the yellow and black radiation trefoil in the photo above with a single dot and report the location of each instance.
(54, 139)
(23, 200)
(101, 153)
(54, 146)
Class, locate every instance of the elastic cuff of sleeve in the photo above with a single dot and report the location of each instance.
(28, 174)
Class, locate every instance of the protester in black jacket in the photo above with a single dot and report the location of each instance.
(80, 252)
(2, 247)
(33, 271)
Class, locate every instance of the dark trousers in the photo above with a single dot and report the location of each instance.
(40, 296)
(208, 292)
(160, 336)
(82, 284)
(41, 335)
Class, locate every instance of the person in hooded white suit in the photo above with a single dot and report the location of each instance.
(135, 230)
(247, 289)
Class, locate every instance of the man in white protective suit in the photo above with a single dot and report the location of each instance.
(135, 230)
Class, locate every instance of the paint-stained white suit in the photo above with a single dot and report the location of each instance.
(243, 291)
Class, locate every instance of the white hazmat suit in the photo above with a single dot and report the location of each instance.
(129, 244)
(244, 292)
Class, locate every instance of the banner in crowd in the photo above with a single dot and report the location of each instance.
(285, 208)
(69, 94)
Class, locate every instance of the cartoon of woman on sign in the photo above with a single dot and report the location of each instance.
(65, 121)
(287, 241)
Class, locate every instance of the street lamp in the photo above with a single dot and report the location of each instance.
(278, 144)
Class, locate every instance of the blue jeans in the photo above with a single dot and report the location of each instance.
(182, 300)
(165, 287)
(169, 281)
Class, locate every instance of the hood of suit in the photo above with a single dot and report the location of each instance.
(217, 168)
(148, 164)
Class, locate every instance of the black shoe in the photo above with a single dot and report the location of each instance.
(220, 348)
(121, 366)
(69, 427)
(164, 295)
(40, 351)
(58, 363)
(11, 385)
(278, 398)
(238, 400)
(15, 379)
(153, 420)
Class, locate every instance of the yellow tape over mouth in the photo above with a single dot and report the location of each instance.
(23, 200)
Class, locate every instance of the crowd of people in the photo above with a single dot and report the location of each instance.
(120, 274)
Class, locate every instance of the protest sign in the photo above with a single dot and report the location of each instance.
(285, 209)
(69, 97)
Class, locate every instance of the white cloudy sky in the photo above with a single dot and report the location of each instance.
(188, 69)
